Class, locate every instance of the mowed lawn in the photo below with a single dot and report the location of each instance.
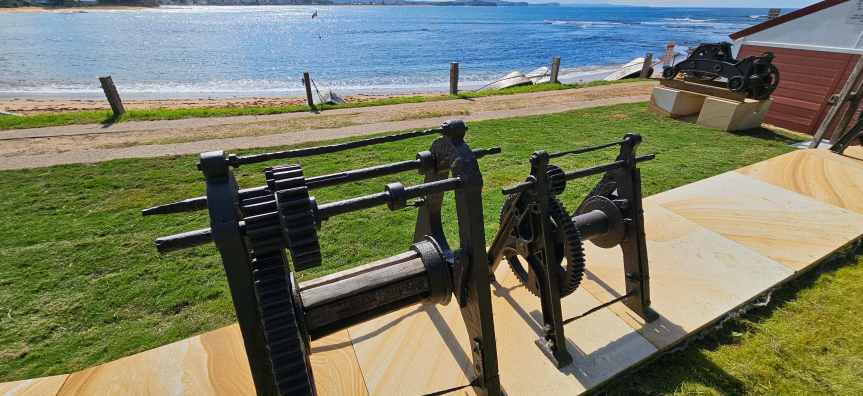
(81, 282)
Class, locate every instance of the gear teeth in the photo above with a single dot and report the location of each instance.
(556, 180)
(296, 217)
(267, 241)
(571, 275)
(573, 248)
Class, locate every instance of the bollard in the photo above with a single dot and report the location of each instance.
(453, 78)
(112, 95)
(308, 83)
(555, 69)
(645, 70)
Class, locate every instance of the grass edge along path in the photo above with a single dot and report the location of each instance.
(106, 117)
(81, 283)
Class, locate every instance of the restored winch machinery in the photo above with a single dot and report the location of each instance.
(755, 75)
(265, 235)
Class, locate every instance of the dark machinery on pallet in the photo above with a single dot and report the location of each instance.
(536, 227)
(257, 230)
(756, 75)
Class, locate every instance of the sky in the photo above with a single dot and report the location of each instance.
(698, 3)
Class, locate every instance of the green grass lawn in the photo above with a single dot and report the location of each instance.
(105, 116)
(81, 282)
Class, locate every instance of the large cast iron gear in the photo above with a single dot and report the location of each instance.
(288, 348)
(768, 75)
(568, 245)
(296, 216)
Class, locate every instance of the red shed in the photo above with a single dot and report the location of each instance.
(816, 48)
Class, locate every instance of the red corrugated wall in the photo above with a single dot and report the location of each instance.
(807, 79)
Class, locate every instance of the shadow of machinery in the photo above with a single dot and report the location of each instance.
(667, 373)
(769, 135)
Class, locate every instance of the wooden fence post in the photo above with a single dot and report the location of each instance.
(555, 69)
(453, 78)
(112, 95)
(645, 70)
(308, 83)
(853, 79)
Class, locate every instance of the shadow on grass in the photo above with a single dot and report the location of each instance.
(107, 122)
(668, 373)
(767, 134)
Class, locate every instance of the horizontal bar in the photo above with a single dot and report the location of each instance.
(606, 167)
(361, 174)
(236, 161)
(586, 149)
(326, 211)
(200, 203)
(521, 187)
(185, 240)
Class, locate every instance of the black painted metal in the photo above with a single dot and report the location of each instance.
(252, 228)
(312, 183)
(757, 76)
(611, 215)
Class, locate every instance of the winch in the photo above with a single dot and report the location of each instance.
(537, 228)
(755, 75)
(265, 235)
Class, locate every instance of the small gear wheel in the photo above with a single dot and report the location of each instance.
(556, 180)
(567, 245)
(296, 216)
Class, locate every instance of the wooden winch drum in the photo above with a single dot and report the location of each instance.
(347, 298)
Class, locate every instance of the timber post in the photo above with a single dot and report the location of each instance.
(112, 95)
(308, 83)
(645, 70)
(453, 78)
(555, 69)
(853, 79)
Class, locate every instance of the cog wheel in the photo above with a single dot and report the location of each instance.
(296, 216)
(768, 75)
(556, 180)
(286, 342)
(567, 245)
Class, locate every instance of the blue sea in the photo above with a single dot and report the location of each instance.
(263, 50)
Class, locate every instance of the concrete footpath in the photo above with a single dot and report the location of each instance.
(494, 107)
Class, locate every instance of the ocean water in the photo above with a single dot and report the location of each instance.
(263, 50)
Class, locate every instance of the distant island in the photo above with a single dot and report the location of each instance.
(84, 4)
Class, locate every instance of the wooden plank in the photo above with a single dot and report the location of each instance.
(785, 226)
(696, 276)
(453, 78)
(212, 363)
(111, 94)
(45, 386)
(555, 70)
(724, 93)
(307, 81)
(421, 349)
(362, 282)
(645, 69)
(820, 177)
